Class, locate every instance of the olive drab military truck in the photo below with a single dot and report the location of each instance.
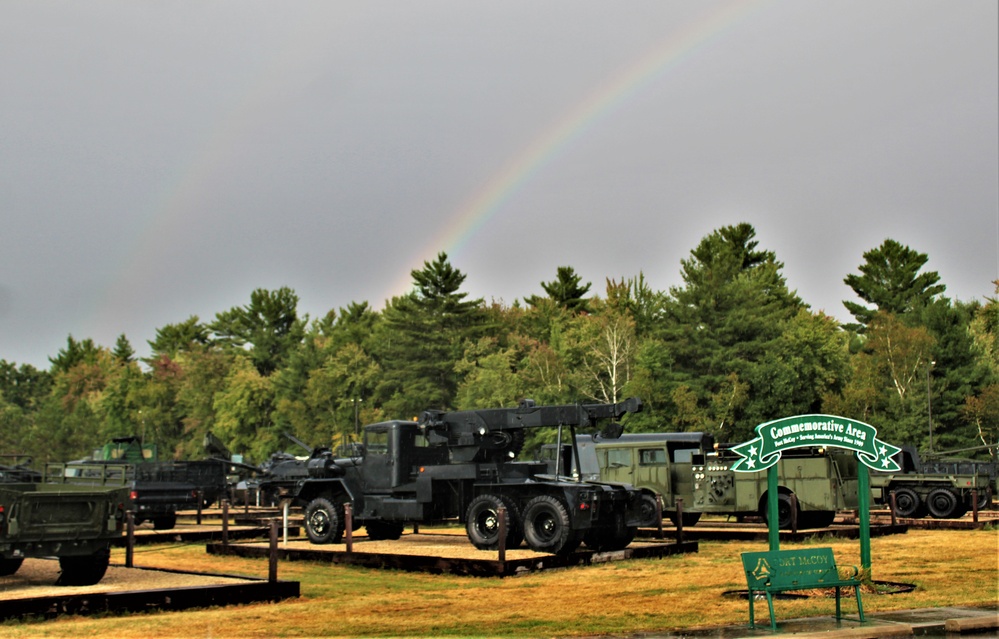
(462, 465)
(942, 488)
(76, 523)
(688, 466)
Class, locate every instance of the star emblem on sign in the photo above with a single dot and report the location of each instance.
(752, 451)
(751, 463)
(885, 462)
(883, 451)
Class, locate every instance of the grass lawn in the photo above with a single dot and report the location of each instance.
(948, 568)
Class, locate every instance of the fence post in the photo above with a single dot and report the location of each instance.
(679, 521)
(129, 539)
(974, 505)
(272, 555)
(891, 507)
(225, 526)
(659, 516)
(501, 514)
(348, 522)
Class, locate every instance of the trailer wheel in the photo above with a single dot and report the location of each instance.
(482, 522)
(84, 570)
(379, 529)
(943, 503)
(908, 504)
(324, 521)
(10, 566)
(547, 526)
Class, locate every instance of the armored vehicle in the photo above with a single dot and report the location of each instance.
(941, 488)
(76, 523)
(690, 467)
(462, 466)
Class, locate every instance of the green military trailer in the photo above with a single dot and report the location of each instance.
(814, 482)
(76, 523)
(942, 487)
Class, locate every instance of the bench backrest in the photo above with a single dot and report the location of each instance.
(789, 568)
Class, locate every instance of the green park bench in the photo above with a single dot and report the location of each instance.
(782, 570)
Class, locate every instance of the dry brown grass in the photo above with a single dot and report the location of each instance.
(948, 568)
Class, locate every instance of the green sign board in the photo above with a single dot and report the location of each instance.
(814, 430)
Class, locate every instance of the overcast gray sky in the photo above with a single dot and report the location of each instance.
(163, 159)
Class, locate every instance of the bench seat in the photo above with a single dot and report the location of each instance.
(801, 569)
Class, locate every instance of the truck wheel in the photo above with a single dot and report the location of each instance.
(908, 504)
(10, 566)
(943, 503)
(378, 529)
(648, 508)
(324, 521)
(984, 499)
(689, 519)
(785, 508)
(84, 570)
(547, 526)
(610, 539)
(482, 522)
(165, 522)
(816, 518)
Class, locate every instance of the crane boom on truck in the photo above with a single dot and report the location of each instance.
(461, 465)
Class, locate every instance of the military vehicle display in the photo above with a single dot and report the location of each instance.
(461, 466)
(158, 489)
(76, 523)
(941, 488)
(689, 467)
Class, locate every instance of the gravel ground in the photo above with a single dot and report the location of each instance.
(37, 578)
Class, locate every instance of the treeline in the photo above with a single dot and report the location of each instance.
(730, 348)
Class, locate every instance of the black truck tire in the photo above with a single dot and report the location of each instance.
(547, 527)
(610, 539)
(908, 504)
(785, 511)
(165, 522)
(482, 522)
(689, 519)
(943, 503)
(84, 570)
(816, 518)
(648, 505)
(324, 521)
(984, 499)
(379, 529)
(10, 566)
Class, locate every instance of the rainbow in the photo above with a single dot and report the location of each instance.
(679, 46)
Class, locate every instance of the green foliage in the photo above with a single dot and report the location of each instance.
(269, 326)
(566, 290)
(891, 281)
(728, 349)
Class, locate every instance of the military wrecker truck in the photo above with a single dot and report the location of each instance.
(942, 488)
(461, 466)
(689, 467)
(76, 523)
